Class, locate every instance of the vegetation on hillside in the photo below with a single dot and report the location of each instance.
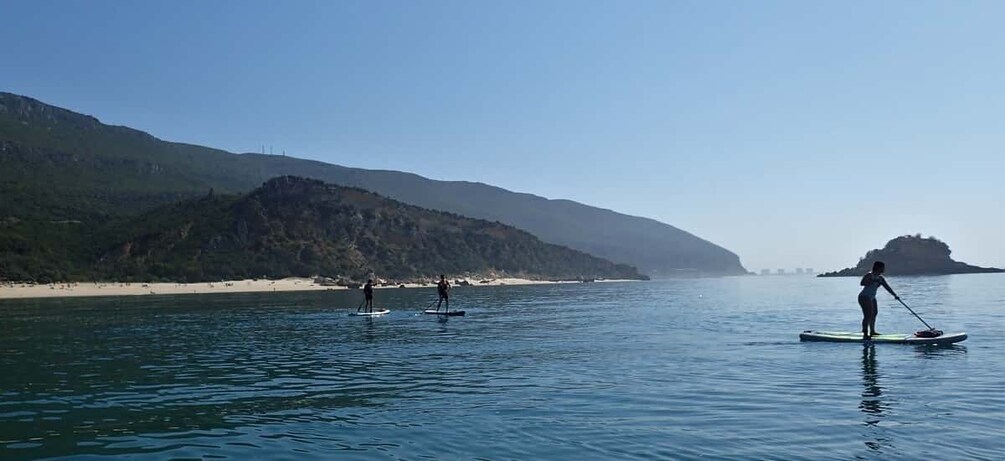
(299, 227)
(58, 165)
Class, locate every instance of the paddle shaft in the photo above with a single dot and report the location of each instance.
(916, 314)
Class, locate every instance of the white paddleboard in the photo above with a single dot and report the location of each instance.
(369, 314)
(856, 337)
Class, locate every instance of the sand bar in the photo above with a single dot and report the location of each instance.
(65, 290)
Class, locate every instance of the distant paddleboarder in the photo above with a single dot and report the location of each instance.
(443, 289)
(867, 298)
(368, 295)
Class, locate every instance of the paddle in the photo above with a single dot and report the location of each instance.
(931, 330)
(360, 305)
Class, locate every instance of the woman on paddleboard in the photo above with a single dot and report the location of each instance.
(867, 298)
(443, 290)
(368, 295)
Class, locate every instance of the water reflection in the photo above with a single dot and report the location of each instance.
(369, 332)
(872, 404)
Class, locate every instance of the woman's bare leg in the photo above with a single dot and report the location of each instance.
(872, 319)
(866, 305)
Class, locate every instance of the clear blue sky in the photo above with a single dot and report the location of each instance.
(793, 133)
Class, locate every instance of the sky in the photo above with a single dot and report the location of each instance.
(796, 134)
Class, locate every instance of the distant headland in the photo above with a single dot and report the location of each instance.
(912, 255)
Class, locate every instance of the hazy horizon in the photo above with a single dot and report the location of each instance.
(795, 135)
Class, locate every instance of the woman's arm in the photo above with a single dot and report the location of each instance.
(865, 279)
(887, 286)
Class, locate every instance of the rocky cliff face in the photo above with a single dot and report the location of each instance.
(912, 255)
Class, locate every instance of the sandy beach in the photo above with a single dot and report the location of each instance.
(60, 290)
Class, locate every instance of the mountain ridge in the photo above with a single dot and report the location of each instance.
(154, 172)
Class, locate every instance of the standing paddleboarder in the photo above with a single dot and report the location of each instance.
(867, 298)
(443, 290)
(368, 295)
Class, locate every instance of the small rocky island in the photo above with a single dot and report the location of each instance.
(912, 255)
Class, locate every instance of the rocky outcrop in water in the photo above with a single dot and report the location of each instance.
(912, 255)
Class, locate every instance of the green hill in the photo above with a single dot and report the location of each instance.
(58, 165)
(912, 255)
(300, 227)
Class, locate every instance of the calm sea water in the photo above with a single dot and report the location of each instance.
(681, 369)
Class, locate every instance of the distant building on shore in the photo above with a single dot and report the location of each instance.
(795, 271)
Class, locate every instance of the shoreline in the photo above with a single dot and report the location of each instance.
(293, 284)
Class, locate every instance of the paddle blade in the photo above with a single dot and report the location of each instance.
(933, 333)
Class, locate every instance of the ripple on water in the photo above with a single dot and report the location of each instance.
(685, 369)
